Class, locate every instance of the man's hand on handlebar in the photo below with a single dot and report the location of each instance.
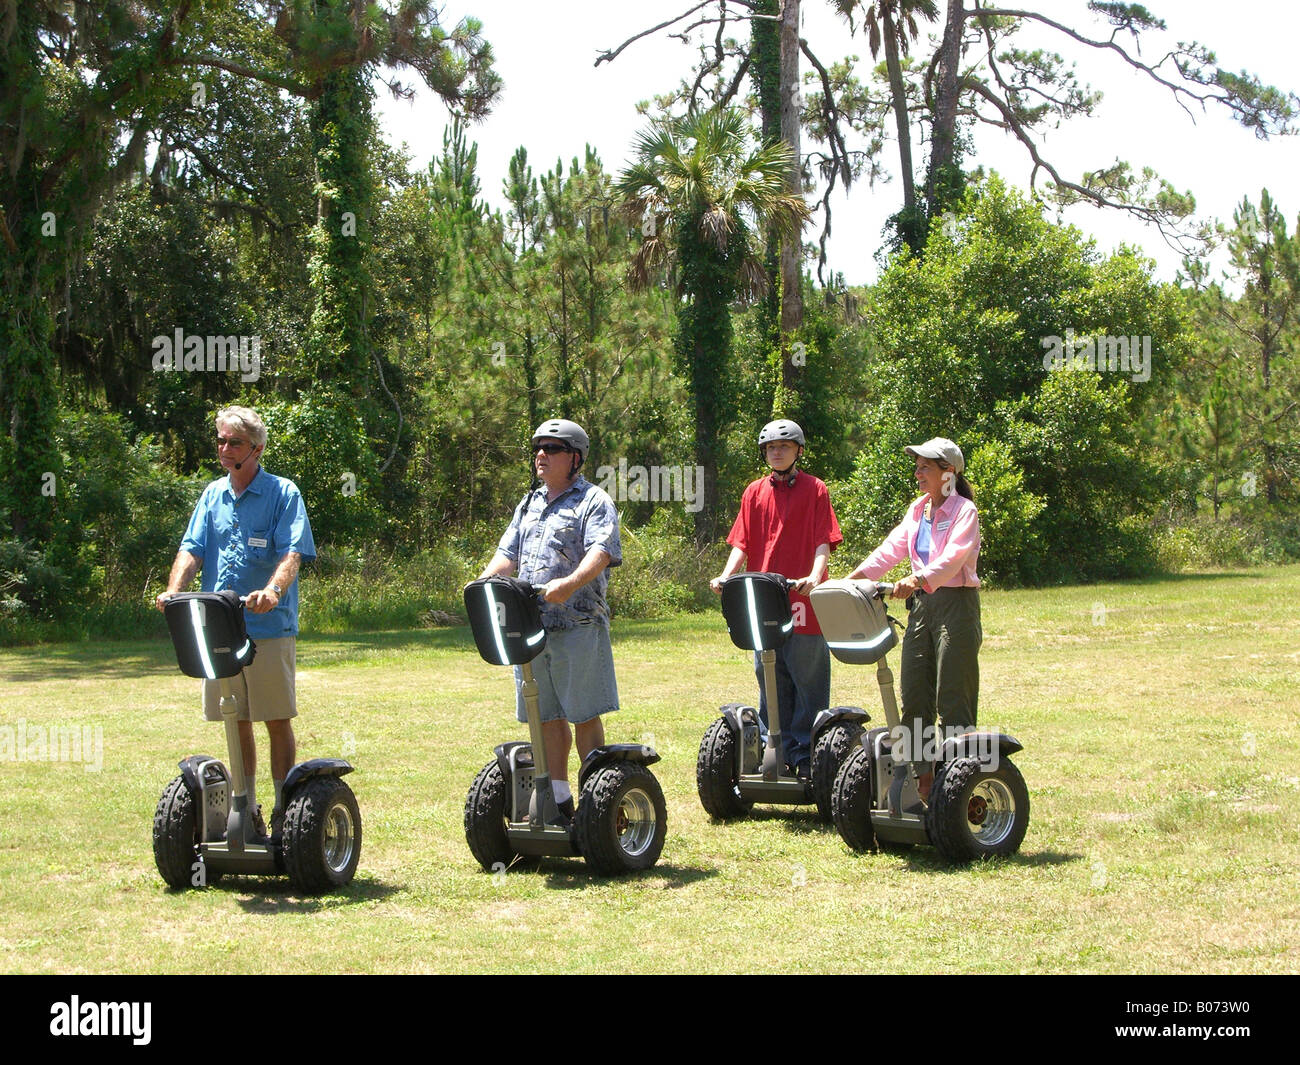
(556, 591)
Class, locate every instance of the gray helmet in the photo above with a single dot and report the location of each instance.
(782, 429)
(562, 429)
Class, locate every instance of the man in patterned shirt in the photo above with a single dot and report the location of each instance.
(564, 535)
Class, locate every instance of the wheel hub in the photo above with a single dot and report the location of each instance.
(339, 838)
(991, 811)
(634, 822)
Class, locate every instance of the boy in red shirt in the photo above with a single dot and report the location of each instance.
(786, 526)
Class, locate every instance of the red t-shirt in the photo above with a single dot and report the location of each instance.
(779, 527)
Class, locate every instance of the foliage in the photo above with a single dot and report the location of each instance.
(119, 516)
(963, 342)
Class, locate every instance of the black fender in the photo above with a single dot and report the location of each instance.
(190, 771)
(317, 767)
(503, 751)
(979, 745)
(837, 713)
(615, 752)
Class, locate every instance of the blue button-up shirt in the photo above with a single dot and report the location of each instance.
(239, 541)
(548, 538)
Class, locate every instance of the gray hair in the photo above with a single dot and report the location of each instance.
(246, 421)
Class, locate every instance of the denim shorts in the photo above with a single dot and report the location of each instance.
(575, 675)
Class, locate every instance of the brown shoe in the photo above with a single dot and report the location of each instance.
(923, 785)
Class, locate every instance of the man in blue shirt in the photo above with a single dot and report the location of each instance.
(564, 535)
(249, 532)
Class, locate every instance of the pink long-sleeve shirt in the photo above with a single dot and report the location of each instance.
(954, 546)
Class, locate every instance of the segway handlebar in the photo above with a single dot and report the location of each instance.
(785, 582)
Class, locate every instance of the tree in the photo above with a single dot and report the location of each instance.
(1260, 338)
(85, 89)
(76, 95)
(701, 189)
(966, 341)
(776, 49)
(894, 23)
(1020, 90)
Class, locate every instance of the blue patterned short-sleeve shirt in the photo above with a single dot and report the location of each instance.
(548, 538)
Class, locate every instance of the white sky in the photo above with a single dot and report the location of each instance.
(555, 102)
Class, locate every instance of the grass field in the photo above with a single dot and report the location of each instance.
(1162, 756)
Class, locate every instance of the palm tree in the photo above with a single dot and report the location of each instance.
(893, 22)
(702, 191)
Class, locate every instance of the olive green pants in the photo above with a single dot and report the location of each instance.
(940, 667)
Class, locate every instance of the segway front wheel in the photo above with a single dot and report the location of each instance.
(851, 800)
(176, 837)
(621, 819)
(485, 819)
(977, 811)
(321, 840)
(715, 773)
(829, 751)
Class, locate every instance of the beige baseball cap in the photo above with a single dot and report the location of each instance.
(939, 448)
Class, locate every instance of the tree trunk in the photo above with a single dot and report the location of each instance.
(34, 234)
(792, 247)
(941, 177)
(337, 349)
(911, 231)
(765, 69)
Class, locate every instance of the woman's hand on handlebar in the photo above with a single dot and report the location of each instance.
(904, 588)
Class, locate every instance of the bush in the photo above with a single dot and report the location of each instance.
(1008, 528)
(663, 572)
(355, 589)
(1202, 543)
(118, 518)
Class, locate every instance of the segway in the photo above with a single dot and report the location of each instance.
(734, 769)
(978, 805)
(202, 827)
(620, 819)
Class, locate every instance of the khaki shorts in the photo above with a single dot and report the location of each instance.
(266, 685)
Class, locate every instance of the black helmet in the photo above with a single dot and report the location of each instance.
(562, 429)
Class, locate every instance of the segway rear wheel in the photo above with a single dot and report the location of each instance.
(829, 751)
(977, 811)
(851, 800)
(715, 773)
(321, 840)
(485, 820)
(176, 837)
(621, 819)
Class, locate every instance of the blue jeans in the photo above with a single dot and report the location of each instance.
(803, 687)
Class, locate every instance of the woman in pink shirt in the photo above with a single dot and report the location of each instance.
(940, 535)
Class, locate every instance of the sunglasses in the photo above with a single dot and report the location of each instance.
(552, 449)
(231, 441)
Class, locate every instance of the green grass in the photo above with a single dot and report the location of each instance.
(1159, 720)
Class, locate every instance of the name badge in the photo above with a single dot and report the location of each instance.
(938, 528)
(257, 541)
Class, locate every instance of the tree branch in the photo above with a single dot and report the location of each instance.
(608, 57)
